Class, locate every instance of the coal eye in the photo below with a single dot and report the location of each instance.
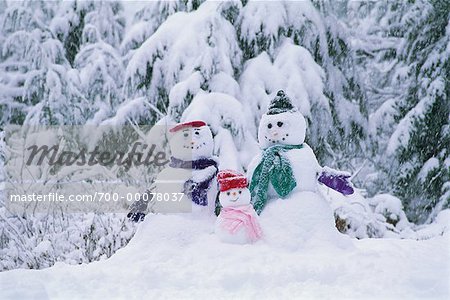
(240, 192)
(228, 193)
(186, 134)
(279, 124)
(269, 125)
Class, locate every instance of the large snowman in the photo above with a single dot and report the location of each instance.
(284, 180)
(191, 174)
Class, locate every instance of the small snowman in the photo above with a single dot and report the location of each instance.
(237, 222)
(192, 171)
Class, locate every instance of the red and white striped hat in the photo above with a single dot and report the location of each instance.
(229, 179)
(191, 124)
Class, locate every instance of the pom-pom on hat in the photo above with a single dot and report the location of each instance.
(280, 104)
(192, 124)
(229, 179)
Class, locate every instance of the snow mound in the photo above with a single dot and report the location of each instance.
(302, 255)
(440, 226)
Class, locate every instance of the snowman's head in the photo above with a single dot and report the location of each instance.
(282, 124)
(235, 197)
(233, 188)
(191, 141)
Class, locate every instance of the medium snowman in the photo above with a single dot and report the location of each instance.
(237, 222)
(191, 173)
(284, 179)
(287, 163)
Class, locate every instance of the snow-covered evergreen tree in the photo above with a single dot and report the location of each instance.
(420, 142)
(189, 52)
(336, 114)
(107, 17)
(39, 86)
(405, 63)
(145, 22)
(72, 16)
(44, 88)
(99, 64)
(37, 81)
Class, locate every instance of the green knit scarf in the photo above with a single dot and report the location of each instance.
(276, 169)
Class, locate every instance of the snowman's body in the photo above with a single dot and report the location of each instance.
(192, 164)
(302, 220)
(239, 237)
(172, 181)
(237, 222)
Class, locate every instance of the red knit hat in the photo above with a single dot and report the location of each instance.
(229, 179)
(191, 124)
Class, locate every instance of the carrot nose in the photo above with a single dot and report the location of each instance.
(234, 193)
(192, 143)
(275, 134)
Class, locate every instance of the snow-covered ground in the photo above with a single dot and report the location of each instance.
(179, 256)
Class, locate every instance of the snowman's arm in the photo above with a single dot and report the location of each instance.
(334, 179)
(202, 175)
(313, 159)
(335, 172)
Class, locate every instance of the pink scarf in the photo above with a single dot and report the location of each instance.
(236, 217)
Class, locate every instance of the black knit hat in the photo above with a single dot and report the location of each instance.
(280, 104)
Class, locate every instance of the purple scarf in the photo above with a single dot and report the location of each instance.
(197, 191)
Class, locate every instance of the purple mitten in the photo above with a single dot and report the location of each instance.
(338, 181)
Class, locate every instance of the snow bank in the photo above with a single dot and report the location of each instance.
(179, 256)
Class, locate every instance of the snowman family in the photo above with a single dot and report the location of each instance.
(286, 169)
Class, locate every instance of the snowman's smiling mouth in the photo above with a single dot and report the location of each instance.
(234, 199)
(273, 141)
(196, 147)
